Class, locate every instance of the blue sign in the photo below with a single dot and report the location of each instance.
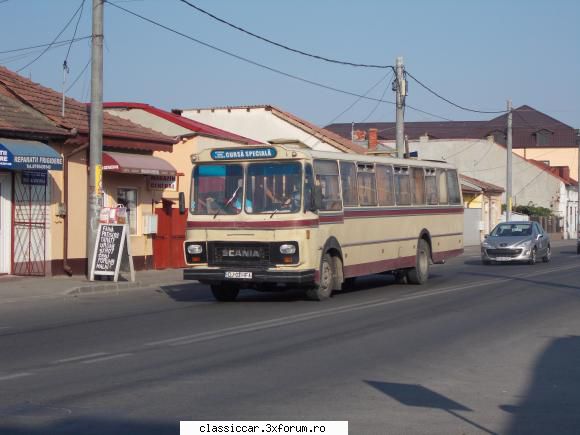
(21, 155)
(244, 153)
(34, 178)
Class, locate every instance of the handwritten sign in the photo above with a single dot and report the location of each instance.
(111, 248)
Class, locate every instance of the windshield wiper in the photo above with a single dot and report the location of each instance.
(228, 202)
(274, 212)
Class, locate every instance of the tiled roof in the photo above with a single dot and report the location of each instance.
(190, 124)
(526, 121)
(48, 102)
(484, 186)
(16, 117)
(324, 134)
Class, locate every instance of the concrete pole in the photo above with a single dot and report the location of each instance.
(508, 186)
(401, 92)
(95, 182)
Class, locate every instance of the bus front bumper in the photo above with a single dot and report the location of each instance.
(298, 277)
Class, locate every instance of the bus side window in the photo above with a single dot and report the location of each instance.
(402, 186)
(385, 185)
(431, 187)
(442, 185)
(453, 186)
(327, 176)
(367, 185)
(418, 185)
(349, 183)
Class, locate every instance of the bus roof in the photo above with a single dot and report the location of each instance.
(295, 151)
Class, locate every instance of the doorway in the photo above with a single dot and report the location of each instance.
(168, 242)
(5, 222)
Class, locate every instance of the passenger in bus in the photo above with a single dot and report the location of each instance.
(292, 202)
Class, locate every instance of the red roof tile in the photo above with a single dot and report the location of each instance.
(48, 102)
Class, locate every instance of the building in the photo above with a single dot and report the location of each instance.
(266, 123)
(192, 137)
(482, 213)
(49, 203)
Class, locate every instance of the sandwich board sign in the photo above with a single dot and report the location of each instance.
(112, 252)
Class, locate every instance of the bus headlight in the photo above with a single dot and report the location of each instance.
(287, 249)
(194, 249)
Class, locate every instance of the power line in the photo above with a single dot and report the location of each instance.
(74, 34)
(51, 44)
(79, 76)
(382, 96)
(449, 101)
(285, 47)
(53, 41)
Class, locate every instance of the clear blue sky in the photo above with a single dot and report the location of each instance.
(476, 53)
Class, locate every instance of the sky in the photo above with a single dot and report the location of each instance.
(476, 53)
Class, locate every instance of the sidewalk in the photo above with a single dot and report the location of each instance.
(15, 288)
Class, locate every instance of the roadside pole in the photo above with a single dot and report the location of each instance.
(401, 90)
(578, 200)
(508, 187)
(95, 182)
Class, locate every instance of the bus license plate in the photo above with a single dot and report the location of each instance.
(239, 275)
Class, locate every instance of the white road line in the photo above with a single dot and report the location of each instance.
(3, 328)
(14, 376)
(256, 326)
(107, 358)
(78, 358)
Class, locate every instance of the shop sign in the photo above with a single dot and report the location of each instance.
(163, 182)
(34, 178)
(112, 252)
(12, 160)
(244, 154)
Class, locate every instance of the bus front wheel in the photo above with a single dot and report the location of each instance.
(323, 290)
(420, 273)
(224, 292)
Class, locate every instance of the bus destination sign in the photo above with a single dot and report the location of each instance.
(244, 153)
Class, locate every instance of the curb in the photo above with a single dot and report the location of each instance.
(104, 287)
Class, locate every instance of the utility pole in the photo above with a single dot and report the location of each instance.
(95, 182)
(578, 200)
(401, 89)
(508, 184)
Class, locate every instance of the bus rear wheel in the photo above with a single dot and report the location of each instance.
(420, 273)
(225, 292)
(323, 290)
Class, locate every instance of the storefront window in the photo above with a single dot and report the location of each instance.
(128, 198)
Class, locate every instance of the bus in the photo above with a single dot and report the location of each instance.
(283, 216)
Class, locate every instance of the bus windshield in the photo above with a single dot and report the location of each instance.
(274, 188)
(217, 189)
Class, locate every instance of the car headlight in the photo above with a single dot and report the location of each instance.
(525, 243)
(287, 249)
(486, 245)
(194, 249)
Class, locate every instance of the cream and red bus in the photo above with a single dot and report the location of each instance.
(283, 216)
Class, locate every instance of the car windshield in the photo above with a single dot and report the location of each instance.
(512, 230)
(217, 189)
(273, 188)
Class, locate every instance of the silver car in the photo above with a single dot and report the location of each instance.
(516, 241)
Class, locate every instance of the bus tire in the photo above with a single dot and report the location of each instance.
(420, 273)
(225, 292)
(322, 290)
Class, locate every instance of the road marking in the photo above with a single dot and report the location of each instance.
(14, 376)
(282, 321)
(78, 358)
(3, 328)
(107, 358)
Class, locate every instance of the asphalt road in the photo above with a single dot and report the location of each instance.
(479, 349)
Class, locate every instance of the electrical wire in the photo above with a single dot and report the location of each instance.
(79, 76)
(377, 105)
(51, 44)
(449, 101)
(74, 34)
(53, 41)
(285, 47)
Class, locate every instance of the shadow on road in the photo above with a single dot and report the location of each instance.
(552, 402)
(92, 426)
(418, 396)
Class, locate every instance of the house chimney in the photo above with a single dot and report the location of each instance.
(373, 139)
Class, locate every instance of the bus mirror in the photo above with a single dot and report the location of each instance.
(316, 199)
(181, 203)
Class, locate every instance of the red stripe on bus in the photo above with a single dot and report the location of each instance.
(402, 212)
(247, 224)
(331, 219)
(440, 256)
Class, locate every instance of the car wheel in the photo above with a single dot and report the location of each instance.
(533, 256)
(485, 262)
(546, 258)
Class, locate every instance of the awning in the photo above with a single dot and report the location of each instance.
(28, 154)
(125, 163)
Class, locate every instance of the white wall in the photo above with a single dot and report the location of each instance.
(257, 123)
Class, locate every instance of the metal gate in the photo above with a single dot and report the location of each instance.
(472, 225)
(29, 252)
